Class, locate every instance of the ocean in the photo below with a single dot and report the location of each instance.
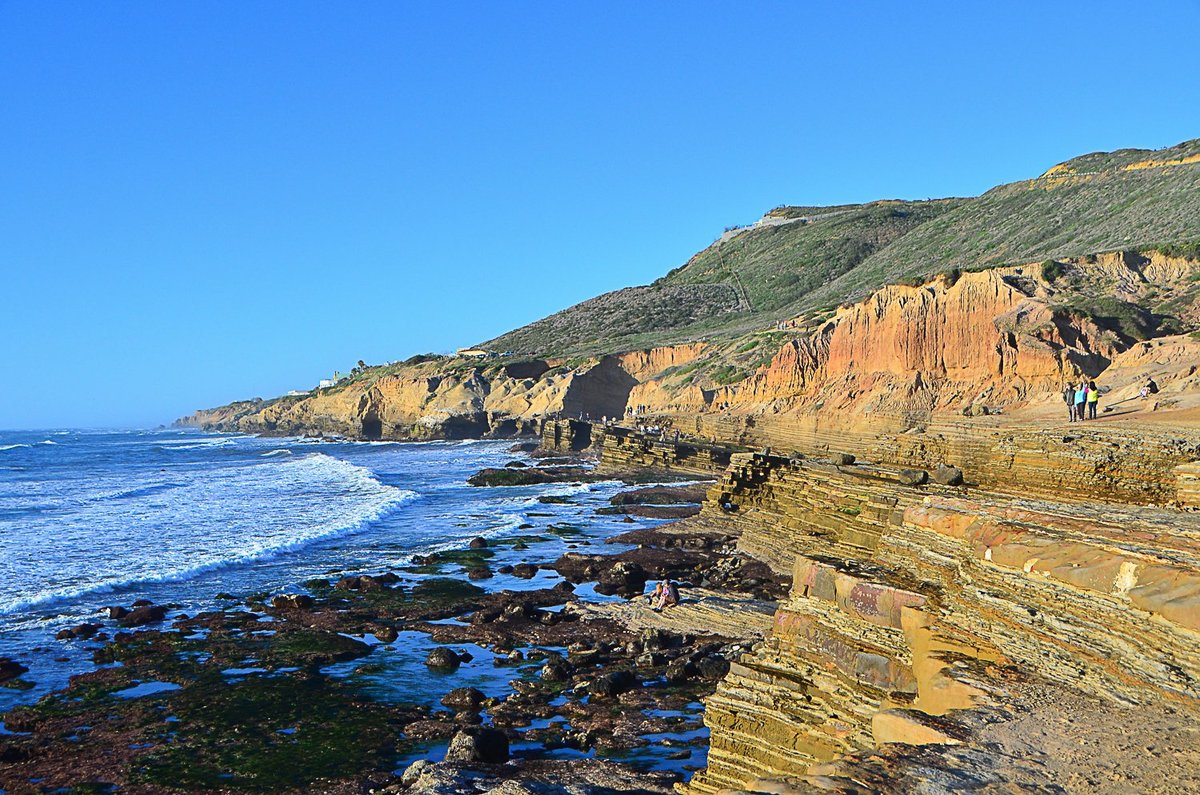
(96, 518)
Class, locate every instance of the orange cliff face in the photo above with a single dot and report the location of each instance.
(909, 351)
(1003, 339)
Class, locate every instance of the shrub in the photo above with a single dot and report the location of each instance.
(1051, 270)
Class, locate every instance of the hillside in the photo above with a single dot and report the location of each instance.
(798, 260)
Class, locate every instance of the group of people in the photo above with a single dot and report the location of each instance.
(666, 594)
(1081, 400)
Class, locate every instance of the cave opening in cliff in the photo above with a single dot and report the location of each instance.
(372, 428)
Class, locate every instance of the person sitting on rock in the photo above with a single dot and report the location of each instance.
(670, 596)
(656, 597)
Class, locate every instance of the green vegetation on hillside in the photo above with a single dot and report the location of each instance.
(803, 260)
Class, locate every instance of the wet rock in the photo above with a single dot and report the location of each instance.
(531, 476)
(712, 667)
(464, 699)
(556, 670)
(505, 569)
(443, 658)
(478, 745)
(144, 614)
(523, 447)
(656, 640)
(624, 578)
(292, 601)
(10, 669)
(478, 542)
(11, 754)
(479, 574)
(680, 670)
(613, 684)
(81, 632)
(414, 771)
(142, 603)
(115, 612)
(948, 475)
(651, 659)
(385, 634)
(526, 571)
(366, 583)
(912, 477)
(841, 459)
(661, 495)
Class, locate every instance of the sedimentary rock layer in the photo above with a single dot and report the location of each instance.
(914, 606)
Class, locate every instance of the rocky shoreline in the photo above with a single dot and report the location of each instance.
(534, 653)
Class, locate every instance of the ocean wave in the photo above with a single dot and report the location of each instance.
(47, 441)
(11, 446)
(144, 491)
(207, 445)
(280, 451)
(225, 518)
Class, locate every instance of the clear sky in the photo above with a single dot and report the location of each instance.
(203, 202)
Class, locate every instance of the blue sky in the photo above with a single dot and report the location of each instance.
(210, 201)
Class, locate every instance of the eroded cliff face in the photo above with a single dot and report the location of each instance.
(453, 398)
(1004, 339)
(915, 610)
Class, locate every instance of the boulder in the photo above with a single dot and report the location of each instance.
(556, 670)
(464, 699)
(841, 459)
(443, 658)
(912, 477)
(624, 578)
(478, 745)
(613, 684)
(478, 542)
(385, 634)
(10, 669)
(948, 475)
(526, 571)
(145, 614)
(116, 612)
(292, 601)
(483, 573)
(712, 667)
(680, 670)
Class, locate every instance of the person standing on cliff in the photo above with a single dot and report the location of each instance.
(1093, 399)
(1069, 398)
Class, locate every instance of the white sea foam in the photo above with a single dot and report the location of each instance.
(11, 446)
(280, 451)
(155, 529)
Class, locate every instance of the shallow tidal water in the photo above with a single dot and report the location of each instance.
(90, 519)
